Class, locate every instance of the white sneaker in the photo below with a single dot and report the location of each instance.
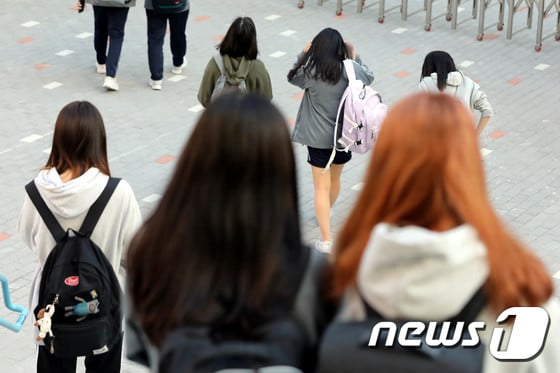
(101, 69)
(179, 69)
(110, 84)
(155, 84)
(324, 246)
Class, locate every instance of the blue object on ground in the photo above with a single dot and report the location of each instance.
(21, 310)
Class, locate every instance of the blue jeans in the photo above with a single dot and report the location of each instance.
(157, 25)
(109, 24)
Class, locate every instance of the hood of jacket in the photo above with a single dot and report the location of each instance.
(454, 79)
(415, 273)
(236, 69)
(72, 198)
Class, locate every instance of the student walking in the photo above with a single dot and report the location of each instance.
(109, 21)
(423, 237)
(73, 178)
(238, 246)
(439, 74)
(158, 18)
(319, 70)
(238, 53)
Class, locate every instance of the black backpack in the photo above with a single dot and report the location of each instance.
(168, 6)
(78, 280)
(344, 347)
(278, 342)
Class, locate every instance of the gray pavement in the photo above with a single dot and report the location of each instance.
(47, 60)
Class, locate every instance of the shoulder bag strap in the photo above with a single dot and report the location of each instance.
(349, 67)
(220, 62)
(48, 218)
(98, 206)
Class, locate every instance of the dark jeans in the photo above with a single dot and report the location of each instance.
(109, 362)
(157, 25)
(109, 24)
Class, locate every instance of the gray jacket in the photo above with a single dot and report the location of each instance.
(317, 113)
(149, 5)
(462, 87)
(113, 3)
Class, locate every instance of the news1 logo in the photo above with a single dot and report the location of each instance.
(526, 337)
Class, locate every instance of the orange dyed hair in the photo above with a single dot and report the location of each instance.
(426, 170)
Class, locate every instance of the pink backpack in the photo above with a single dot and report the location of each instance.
(359, 116)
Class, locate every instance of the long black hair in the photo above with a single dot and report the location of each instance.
(219, 247)
(324, 58)
(438, 62)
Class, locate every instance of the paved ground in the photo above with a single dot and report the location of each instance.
(47, 60)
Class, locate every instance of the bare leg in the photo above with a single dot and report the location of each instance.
(322, 184)
(336, 171)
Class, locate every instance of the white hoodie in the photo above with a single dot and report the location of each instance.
(462, 87)
(70, 202)
(417, 274)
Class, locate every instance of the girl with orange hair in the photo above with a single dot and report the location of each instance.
(423, 237)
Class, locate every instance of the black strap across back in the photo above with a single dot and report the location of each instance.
(91, 218)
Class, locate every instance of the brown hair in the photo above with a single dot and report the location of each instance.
(79, 140)
(217, 249)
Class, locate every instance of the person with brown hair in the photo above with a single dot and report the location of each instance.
(72, 179)
(423, 236)
(222, 252)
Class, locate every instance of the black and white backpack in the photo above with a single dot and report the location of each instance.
(79, 284)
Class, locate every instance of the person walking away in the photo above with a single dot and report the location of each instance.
(74, 176)
(319, 70)
(109, 25)
(158, 16)
(423, 236)
(241, 265)
(238, 53)
(439, 74)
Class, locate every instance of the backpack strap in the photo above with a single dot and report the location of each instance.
(48, 218)
(91, 218)
(98, 206)
(467, 314)
(220, 62)
(349, 67)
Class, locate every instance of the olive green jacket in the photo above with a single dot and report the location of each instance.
(253, 72)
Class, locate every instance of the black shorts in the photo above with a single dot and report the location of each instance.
(320, 157)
